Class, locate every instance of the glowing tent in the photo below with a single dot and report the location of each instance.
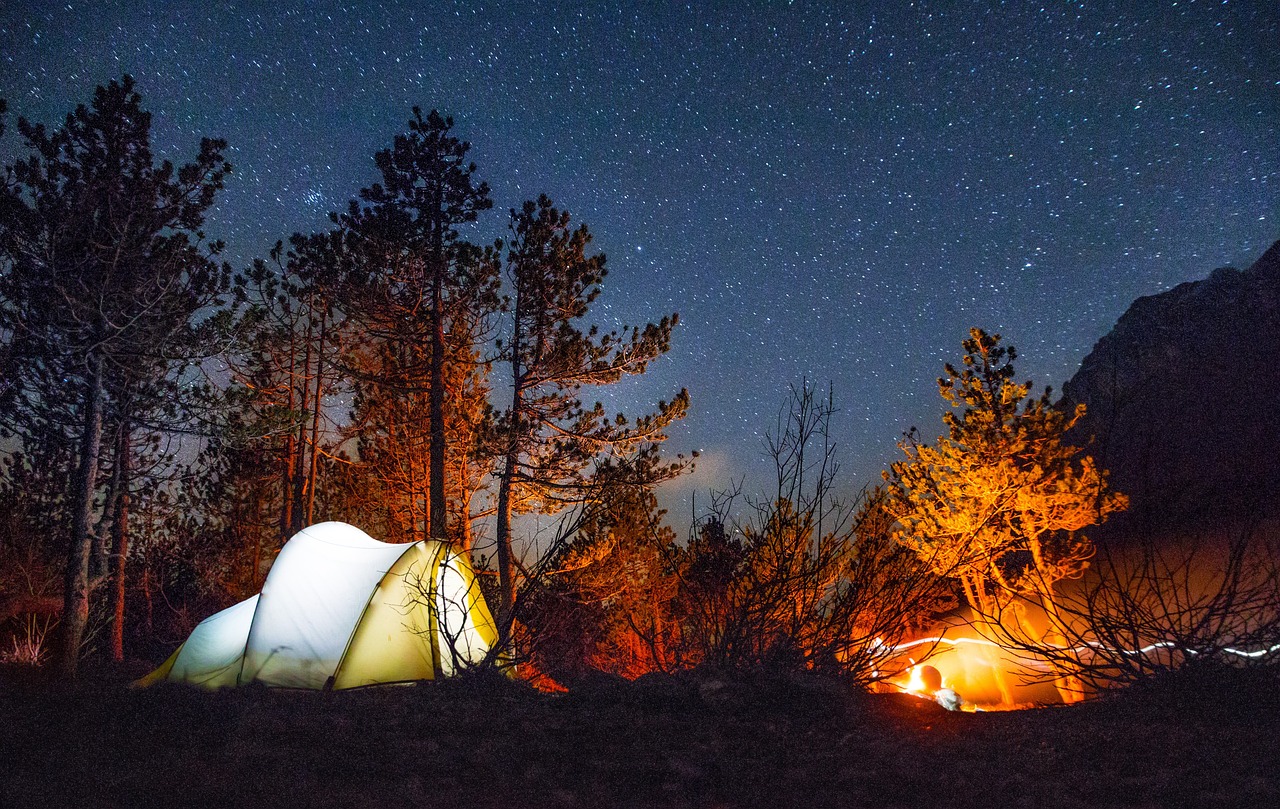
(340, 609)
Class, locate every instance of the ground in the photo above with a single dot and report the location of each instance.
(706, 741)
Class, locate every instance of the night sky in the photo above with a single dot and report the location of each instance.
(821, 192)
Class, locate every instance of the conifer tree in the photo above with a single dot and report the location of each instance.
(999, 501)
(105, 280)
(607, 603)
(427, 293)
(290, 367)
(548, 439)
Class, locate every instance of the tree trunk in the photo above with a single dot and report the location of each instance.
(291, 448)
(75, 611)
(314, 450)
(505, 557)
(468, 536)
(100, 552)
(148, 611)
(252, 579)
(297, 495)
(1069, 686)
(436, 517)
(988, 618)
(120, 535)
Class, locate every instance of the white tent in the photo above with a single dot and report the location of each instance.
(340, 609)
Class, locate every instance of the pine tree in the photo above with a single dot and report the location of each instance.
(106, 276)
(289, 369)
(548, 439)
(607, 603)
(999, 502)
(427, 293)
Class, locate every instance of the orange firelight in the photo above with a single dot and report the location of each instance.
(983, 674)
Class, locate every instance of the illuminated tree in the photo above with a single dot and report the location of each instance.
(424, 303)
(999, 501)
(391, 481)
(605, 603)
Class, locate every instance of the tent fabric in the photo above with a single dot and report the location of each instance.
(339, 609)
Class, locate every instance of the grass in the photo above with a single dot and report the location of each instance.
(706, 741)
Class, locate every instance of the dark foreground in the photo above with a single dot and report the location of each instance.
(707, 741)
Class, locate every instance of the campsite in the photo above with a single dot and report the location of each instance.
(541, 404)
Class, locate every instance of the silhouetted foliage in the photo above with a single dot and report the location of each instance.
(548, 439)
(807, 581)
(605, 603)
(1150, 608)
(104, 294)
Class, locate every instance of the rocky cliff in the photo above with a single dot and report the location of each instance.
(1183, 401)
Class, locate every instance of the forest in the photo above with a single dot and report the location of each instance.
(170, 420)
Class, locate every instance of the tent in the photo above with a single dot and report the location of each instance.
(339, 609)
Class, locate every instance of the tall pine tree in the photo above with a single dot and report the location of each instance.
(548, 438)
(106, 277)
(427, 293)
(1000, 500)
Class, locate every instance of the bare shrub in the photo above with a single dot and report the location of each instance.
(1157, 607)
(28, 645)
(805, 580)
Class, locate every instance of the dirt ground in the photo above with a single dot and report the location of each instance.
(706, 741)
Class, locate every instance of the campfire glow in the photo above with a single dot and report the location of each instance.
(981, 672)
(988, 676)
(915, 681)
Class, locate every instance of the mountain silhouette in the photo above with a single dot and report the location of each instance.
(1182, 403)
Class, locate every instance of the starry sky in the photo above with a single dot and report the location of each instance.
(822, 190)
